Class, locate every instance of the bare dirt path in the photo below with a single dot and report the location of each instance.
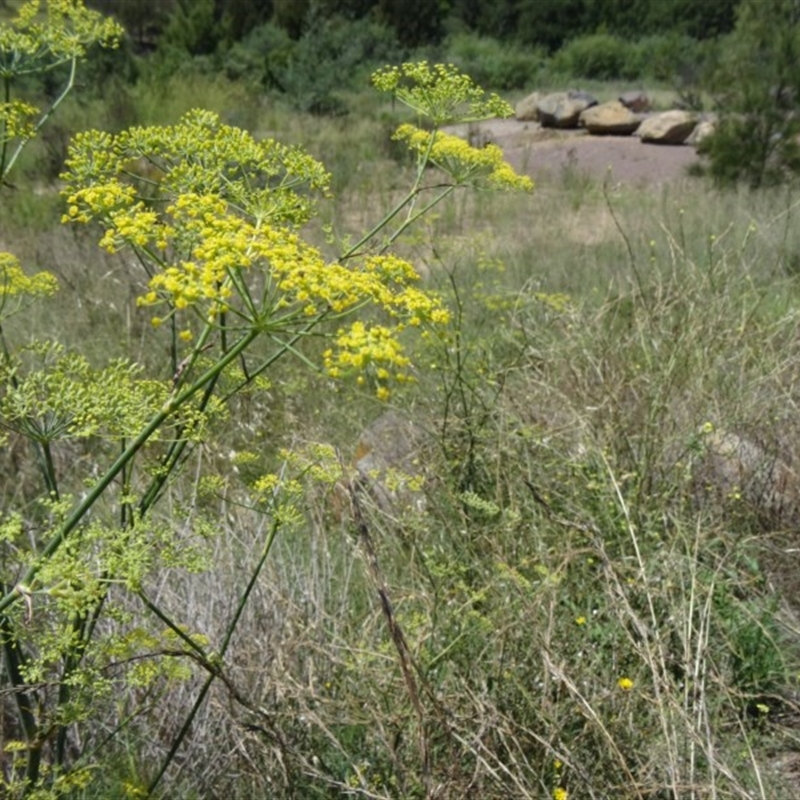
(548, 153)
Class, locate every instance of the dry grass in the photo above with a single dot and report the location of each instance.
(577, 611)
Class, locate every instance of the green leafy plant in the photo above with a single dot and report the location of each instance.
(757, 86)
(215, 219)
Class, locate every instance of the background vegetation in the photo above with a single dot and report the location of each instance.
(567, 596)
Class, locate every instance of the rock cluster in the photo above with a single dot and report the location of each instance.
(629, 115)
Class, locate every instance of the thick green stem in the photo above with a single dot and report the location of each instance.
(172, 405)
(213, 670)
(15, 659)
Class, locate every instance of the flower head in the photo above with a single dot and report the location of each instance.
(464, 163)
(440, 92)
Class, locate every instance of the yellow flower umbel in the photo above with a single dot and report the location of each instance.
(43, 35)
(440, 92)
(462, 162)
(443, 96)
(216, 215)
(446, 96)
(16, 287)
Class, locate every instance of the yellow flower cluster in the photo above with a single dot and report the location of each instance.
(64, 32)
(368, 350)
(441, 93)
(220, 218)
(15, 120)
(14, 283)
(104, 201)
(216, 243)
(264, 180)
(462, 162)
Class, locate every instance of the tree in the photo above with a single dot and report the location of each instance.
(757, 88)
(417, 22)
(144, 20)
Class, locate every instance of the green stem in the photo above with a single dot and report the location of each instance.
(136, 444)
(15, 660)
(412, 218)
(213, 670)
(409, 198)
(49, 470)
(42, 120)
(4, 147)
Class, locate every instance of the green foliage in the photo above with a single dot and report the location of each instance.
(143, 20)
(757, 86)
(192, 28)
(600, 56)
(490, 63)
(416, 22)
(215, 217)
(34, 45)
(553, 23)
(333, 55)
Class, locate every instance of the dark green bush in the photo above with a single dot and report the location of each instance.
(493, 63)
(333, 55)
(756, 84)
(260, 56)
(673, 57)
(599, 56)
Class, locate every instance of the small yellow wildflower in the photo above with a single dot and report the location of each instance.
(626, 684)
(560, 794)
(580, 620)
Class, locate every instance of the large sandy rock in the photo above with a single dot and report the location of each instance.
(527, 110)
(736, 470)
(668, 127)
(388, 460)
(610, 119)
(563, 109)
(636, 101)
(702, 130)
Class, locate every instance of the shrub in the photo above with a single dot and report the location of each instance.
(757, 88)
(500, 65)
(332, 55)
(599, 56)
(672, 57)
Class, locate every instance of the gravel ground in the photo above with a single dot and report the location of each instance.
(546, 153)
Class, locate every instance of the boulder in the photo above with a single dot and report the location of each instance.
(610, 118)
(702, 130)
(736, 471)
(668, 127)
(388, 460)
(563, 109)
(527, 110)
(636, 101)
